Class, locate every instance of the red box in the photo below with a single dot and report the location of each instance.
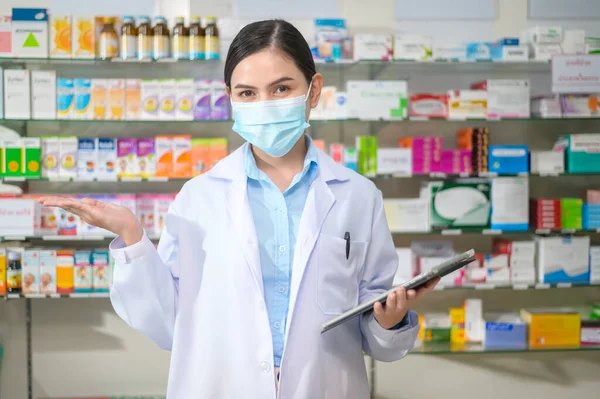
(428, 105)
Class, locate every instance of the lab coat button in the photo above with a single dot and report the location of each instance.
(276, 324)
(265, 367)
(282, 248)
(281, 290)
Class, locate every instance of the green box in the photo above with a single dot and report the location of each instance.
(366, 149)
(31, 167)
(460, 204)
(436, 335)
(571, 213)
(12, 159)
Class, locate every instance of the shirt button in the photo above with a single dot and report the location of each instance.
(282, 248)
(250, 242)
(281, 290)
(281, 211)
(265, 367)
(276, 324)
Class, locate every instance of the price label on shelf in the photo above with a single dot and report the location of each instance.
(564, 285)
(490, 232)
(520, 287)
(542, 286)
(576, 73)
(451, 232)
(485, 287)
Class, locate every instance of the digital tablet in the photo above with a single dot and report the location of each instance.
(440, 270)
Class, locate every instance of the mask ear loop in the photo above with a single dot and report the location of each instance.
(308, 92)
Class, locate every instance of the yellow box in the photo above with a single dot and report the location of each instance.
(457, 329)
(552, 327)
(60, 36)
(457, 316)
(84, 37)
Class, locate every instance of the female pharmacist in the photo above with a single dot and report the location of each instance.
(263, 249)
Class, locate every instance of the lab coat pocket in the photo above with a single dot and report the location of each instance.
(337, 281)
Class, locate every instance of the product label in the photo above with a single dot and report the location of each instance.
(13, 279)
(160, 48)
(197, 47)
(180, 47)
(144, 49)
(108, 45)
(212, 47)
(127, 46)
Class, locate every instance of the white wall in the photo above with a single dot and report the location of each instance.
(81, 347)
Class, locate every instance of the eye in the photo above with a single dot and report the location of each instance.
(281, 89)
(246, 93)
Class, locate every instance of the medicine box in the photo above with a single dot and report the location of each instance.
(5, 36)
(87, 158)
(83, 43)
(50, 157)
(107, 159)
(552, 327)
(510, 204)
(68, 157)
(219, 101)
(146, 157)
(43, 94)
(150, 98)
(505, 331)
(60, 36)
(100, 100)
(182, 156)
(30, 32)
(133, 99)
(184, 99)
(366, 148)
(82, 101)
(434, 327)
(412, 47)
(64, 271)
(116, 99)
(164, 156)
(571, 213)
(11, 151)
(474, 324)
(407, 214)
(47, 271)
(547, 162)
(543, 34)
(31, 271)
(32, 153)
(65, 94)
(202, 99)
(390, 161)
(373, 47)
(377, 100)
(508, 98)
(101, 271)
(484, 51)
(16, 89)
(449, 52)
(467, 104)
(428, 106)
(563, 259)
(508, 159)
(82, 269)
(127, 157)
(460, 204)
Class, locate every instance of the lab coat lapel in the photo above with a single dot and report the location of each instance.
(243, 224)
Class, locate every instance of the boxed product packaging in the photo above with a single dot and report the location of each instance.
(583, 153)
(412, 47)
(65, 94)
(428, 106)
(519, 53)
(218, 151)
(150, 97)
(508, 159)
(449, 52)
(100, 100)
(11, 154)
(373, 47)
(133, 99)
(184, 99)
(426, 153)
(182, 156)
(590, 332)
(83, 43)
(375, 100)
(127, 157)
(16, 94)
(591, 217)
(60, 36)
(579, 105)
(50, 157)
(552, 327)
(31, 271)
(407, 214)
(107, 159)
(351, 158)
(544, 52)
(545, 213)
(200, 156)
(465, 104)
(547, 162)
(82, 271)
(87, 159)
(390, 161)
(101, 271)
(434, 327)
(595, 265)
(202, 99)
(592, 45)
(510, 204)
(82, 100)
(166, 99)
(32, 154)
(5, 36)
(116, 99)
(30, 32)
(64, 271)
(592, 196)
(477, 141)
(2, 272)
(330, 35)
(164, 156)
(43, 94)
(366, 148)
(521, 257)
(571, 213)
(219, 101)
(573, 41)
(460, 204)
(508, 98)
(336, 152)
(68, 157)
(543, 34)
(484, 51)
(497, 269)
(146, 157)
(563, 259)
(547, 106)
(457, 326)
(474, 324)
(505, 330)
(326, 109)
(48, 271)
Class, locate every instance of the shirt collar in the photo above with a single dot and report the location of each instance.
(254, 173)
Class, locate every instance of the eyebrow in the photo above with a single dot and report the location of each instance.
(280, 80)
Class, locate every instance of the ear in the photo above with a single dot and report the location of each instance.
(228, 91)
(315, 91)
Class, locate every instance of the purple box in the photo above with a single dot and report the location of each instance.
(202, 99)
(146, 157)
(220, 109)
(127, 165)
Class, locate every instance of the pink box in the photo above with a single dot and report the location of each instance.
(152, 211)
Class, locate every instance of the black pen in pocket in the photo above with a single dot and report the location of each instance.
(347, 238)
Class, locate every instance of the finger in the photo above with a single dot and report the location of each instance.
(401, 300)
(90, 201)
(411, 295)
(378, 309)
(432, 283)
(390, 303)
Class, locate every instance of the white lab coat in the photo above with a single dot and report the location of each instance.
(201, 295)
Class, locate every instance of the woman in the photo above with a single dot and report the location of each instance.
(263, 249)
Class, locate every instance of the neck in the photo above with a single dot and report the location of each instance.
(286, 166)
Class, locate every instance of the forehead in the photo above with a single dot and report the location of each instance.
(264, 67)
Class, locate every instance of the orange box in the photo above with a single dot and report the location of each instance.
(464, 139)
(552, 327)
(164, 156)
(200, 156)
(405, 142)
(64, 271)
(133, 99)
(218, 151)
(320, 144)
(116, 99)
(182, 157)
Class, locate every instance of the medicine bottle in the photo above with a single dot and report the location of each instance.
(160, 39)
(144, 39)
(197, 39)
(13, 273)
(128, 38)
(109, 45)
(180, 40)
(211, 41)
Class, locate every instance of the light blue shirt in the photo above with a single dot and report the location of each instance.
(276, 219)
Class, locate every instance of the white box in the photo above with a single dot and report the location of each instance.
(523, 250)
(48, 271)
(107, 159)
(545, 52)
(508, 98)
(394, 161)
(150, 92)
(31, 271)
(87, 159)
(412, 47)
(518, 53)
(574, 42)
(465, 104)
(43, 94)
(546, 107)
(341, 109)
(16, 94)
(30, 32)
(184, 99)
(522, 275)
(326, 109)
(50, 157)
(510, 203)
(407, 214)
(377, 100)
(68, 157)
(474, 325)
(451, 52)
(373, 47)
(543, 34)
(497, 270)
(547, 162)
(563, 259)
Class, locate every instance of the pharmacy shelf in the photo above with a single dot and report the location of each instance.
(448, 349)
(492, 232)
(104, 62)
(77, 295)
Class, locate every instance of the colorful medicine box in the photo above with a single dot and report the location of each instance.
(30, 32)
(552, 327)
(508, 159)
(107, 159)
(83, 44)
(60, 36)
(505, 331)
(82, 269)
(65, 90)
(583, 153)
(48, 271)
(101, 271)
(82, 101)
(146, 157)
(116, 99)
(87, 159)
(32, 153)
(127, 157)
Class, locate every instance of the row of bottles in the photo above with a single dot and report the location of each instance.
(145, 41)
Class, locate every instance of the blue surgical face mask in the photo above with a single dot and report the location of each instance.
(273, 126)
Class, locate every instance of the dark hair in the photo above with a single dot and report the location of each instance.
(273, 33)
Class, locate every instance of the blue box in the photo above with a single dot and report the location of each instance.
(582, 154)
(505, 331)
(509, 41)
(508, 159)
(484, 51)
